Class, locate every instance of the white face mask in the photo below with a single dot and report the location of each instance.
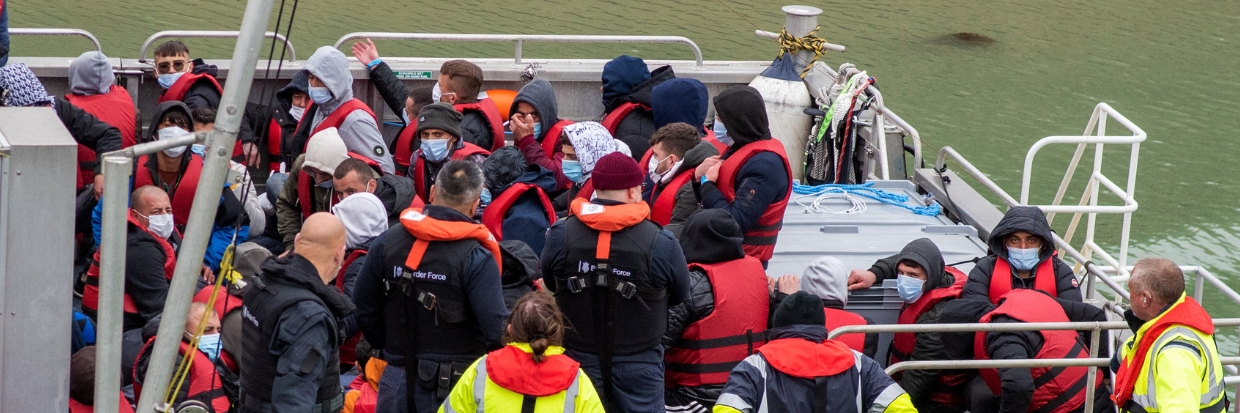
(667, 175)
(161, 225)
(296, 112)
(173, 132)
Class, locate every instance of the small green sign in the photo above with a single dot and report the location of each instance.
(413, 74)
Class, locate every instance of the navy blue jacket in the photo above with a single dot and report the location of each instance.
(526, 220)
(763, 176)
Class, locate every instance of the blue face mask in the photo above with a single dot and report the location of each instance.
(486, 196)
(1023, 259)
(721, 133)
(210, 344)
(167, 79)
(326, 184)
(537, 130)
(572, 170)
(320, 95)
(909, 288)
(435, 150)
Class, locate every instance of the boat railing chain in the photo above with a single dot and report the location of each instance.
(210, 34)
(28, 31)
(520, 39)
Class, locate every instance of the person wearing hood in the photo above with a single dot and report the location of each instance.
(516, 198)
(754, 165)
(1022, 255)
(93, 88)
(727, 301)
(175, 170)
(407, 142)
(239, 179)
(520, 273)
(684, 100)
(627, 89)
(926, 286)
(454, 310)
(203, 383)
(23, 89)
(333, 106)
(1019, 390)
(583, 144)
(309, 190)
(290, 360)
(535, 115)
(439, 129)
(364, 219)
(637, 271)
(354, 176)
(675, 152)
(191, 81)
(827, 278)
(266, 132)
(799, 370)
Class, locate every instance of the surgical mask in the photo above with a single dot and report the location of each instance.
(166, 80)
(210, 344)
(326, 184)
(657, 177)
(160, 224)
(721, 133)
(169, 133)
(297, 112)
(537, 130)
(404, 116)
(572, 170)
(909, 288)
(436, 93)
(435, 150)
(1023, 259)
(486, 196)
(320, 95)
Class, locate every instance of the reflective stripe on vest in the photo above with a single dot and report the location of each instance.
(181, 87)
(1001, 278)
(1148, 401)
(480, 388)
(760, 240)
(493, 216)
(489, 112)
(712, 346)
(617, 115)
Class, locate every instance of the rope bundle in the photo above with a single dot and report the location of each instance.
(810, 42)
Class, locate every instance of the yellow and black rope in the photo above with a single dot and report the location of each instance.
(789, 44)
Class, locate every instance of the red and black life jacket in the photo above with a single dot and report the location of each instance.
(179, 88)
(617, 115)
(183, 193)
(494, 121)
(662, 205)
(587, 190)
(1028, 306)
(551, 140)
(403, 153)
(205, 384)
(336, 118)
(420, 182)
(76, 407)
(114, 108)
(275, 134)
(1001, 279)
(493, 216)
(90, 293)
(712, 346)
(950, 390)
(760, 240)
(840, 318)
(348, 353)
(304, 190)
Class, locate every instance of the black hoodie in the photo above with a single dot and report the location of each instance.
(397, 193)
(764, 177)
(1032, 220)
(921, 383)
(203, 93)
(255, 127)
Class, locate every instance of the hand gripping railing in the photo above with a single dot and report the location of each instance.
(520, 39)
(210, 34)
(57, 32)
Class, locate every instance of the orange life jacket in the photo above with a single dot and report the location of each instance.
(178, 89)
(114, 108)
(1001, 279)
(806, 359)
(617, 115)
(495, 213)
(488, 110)
(420, 183)
(183, 193)
(760, 240)
(712, 346)
(427, 230)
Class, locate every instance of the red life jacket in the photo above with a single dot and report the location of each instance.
(493, 216)
(183, 194)
(950, 389)
(224, 303)
(806, 359)
(587, 190)
(420, 183)
(403, 153)
(1187, 313)
(337, 117)
(368, 396)
(712, 346)
(760, 240)
(114, 108)
(840, 318)
(184, 83)
(515, 370)
(661, 206)
(617, 115)
(551, 140)
(714, 141)
(90, 292)
(1028, 306)
(494, 121)
(1001, 279)
(204, 382)
(274, 134)
(304, 194)
(348, 353)
(76, 407)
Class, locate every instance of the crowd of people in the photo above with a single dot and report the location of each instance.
(587, 266)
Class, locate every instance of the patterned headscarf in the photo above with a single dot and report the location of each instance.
(22, 88)
(591, 141)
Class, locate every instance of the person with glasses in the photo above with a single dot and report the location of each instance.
(186, 80)
(1022, 255)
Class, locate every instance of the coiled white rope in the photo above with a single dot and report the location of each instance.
(815, 205)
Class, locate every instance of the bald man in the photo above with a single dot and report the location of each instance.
(290, 360)
(149, 259)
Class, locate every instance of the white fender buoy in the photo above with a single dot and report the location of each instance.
(786, 101)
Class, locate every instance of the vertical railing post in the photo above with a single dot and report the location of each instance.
(1090, 378)
(519, 45)
(110, 315)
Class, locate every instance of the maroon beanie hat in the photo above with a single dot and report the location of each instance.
(616, 171)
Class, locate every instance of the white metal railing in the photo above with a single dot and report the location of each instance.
(520, 39)
(210, 34)
(29, 31)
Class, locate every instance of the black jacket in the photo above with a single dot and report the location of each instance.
(687, 201)
(1032, 220)
(636, 128)
(255, 126)
(203, 94)
(145, 280)
(396, 192)
(88, 130)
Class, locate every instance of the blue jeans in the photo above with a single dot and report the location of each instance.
(636, 381)
(275, 184)
(392, 393)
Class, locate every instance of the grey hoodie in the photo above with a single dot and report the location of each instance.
(359, 130)
(541, 95)
(91, 74)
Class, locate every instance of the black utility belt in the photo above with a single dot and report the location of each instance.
(440, 375)
(578, 283)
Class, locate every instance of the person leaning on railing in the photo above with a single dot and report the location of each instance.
(1172, 363)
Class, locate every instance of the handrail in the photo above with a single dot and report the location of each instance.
(31, 31)
(1027, 363)
(957, 328)
(520, 39)
(210, 34)
(880, 111)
